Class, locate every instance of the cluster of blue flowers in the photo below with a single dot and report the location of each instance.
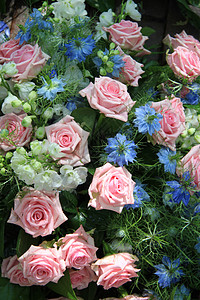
(120, 150)
(168, 272)
(36, 21)
(147, 120)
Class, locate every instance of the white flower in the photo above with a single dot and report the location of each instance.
(72, 178)
(47, 180)
(106, 18)
(131, 10)
(55, 151)
(69, 9)
(9, 69)
(26, 173)
(17, 160)
(60, 110)
(100, 33)
(7, 107)
(24, 89)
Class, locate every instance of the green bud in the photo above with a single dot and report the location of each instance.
(112, 46)
(100, 54)
(110, 64)
(3, 171)
(48, 113)
(198, 117)
(16, 103)
(105, 58)
(45, 3)
(1, 165)
(9, 155)
(191, 131)
(184, 133)
(26, 122)
(109, 70)
(40, 9)
(21, 150)
(102, 72)
(51, 8)
(197, 137)
(32, 95)
(40, 133)
(116, 52)
(56, 20)
(26, 107)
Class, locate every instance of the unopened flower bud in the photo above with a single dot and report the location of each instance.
(109, 70)
(112, 46)
(102, 72)
(184, 133)
(105, 58)
(21, 150)
(32, 95)
(48, 114)
(198, 118)
(100, 54)
(116, 52)
(26, 122)
(45, 3)
(3, 171)
(191, 131)
(40, 133)
(9, 155)
(197, 137)
(110, 64)
(26, 107)
(16, 103)
(56, 20)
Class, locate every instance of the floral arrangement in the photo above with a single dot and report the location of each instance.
(100, 159)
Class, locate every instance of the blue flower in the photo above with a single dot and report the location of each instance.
(120, 150)
(49, 90)
(116, 62)
(80, 48)
(168, 272)
(193, 96)
(147, 120)
(24, 34)
(181, 293)
(166, 157)
(140, 196)
(71, 105)
(179, 193)
(4, 27)
(197, 246)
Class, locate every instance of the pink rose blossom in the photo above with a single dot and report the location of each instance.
(115, 270)
(11, 269)
(184, 63)
(131, 71)
(111, 188)
(77, 249)
(184, 40)
(37, 212)
(7, 48)
(29, 61)
(128, 297)
(81, 278)
(42, 265)
(127, 35)
(110, 97)
(191, 162)
(72, 140)
(172, 124)
(18, 135)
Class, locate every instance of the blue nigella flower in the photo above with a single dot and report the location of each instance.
(196, 209)
(120, 150)
(71, 105)
(168, 272)
(181, 293)
(24, 34)
(179, 192)
(140, 196)
(193, 96)
(147, 120)
(53, 73)
(50, 90)
(197, 246)
(79, 48)
(4, 27)
(166, 157)
(117, 61)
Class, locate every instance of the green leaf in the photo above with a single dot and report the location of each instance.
(147, 31)
(24, 241)
(102, 5)
(63, 287)
(85, 116)
(11, 291)
(68, 201)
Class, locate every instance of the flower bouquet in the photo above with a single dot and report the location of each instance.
(100, 159)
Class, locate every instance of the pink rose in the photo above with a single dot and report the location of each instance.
(184, 63)
(81, 278)
(129, 297)
(131, 71)
(7, 48)
(17, 135)
(11, 269)
(111, 188)
(37, 212)
(77, 249)
(110, 97)
(127, 35)
(172, 124)
(72, 140)
(29, 61)
(191, 162)
(42, 265)
(115, 270)
(183, 40)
